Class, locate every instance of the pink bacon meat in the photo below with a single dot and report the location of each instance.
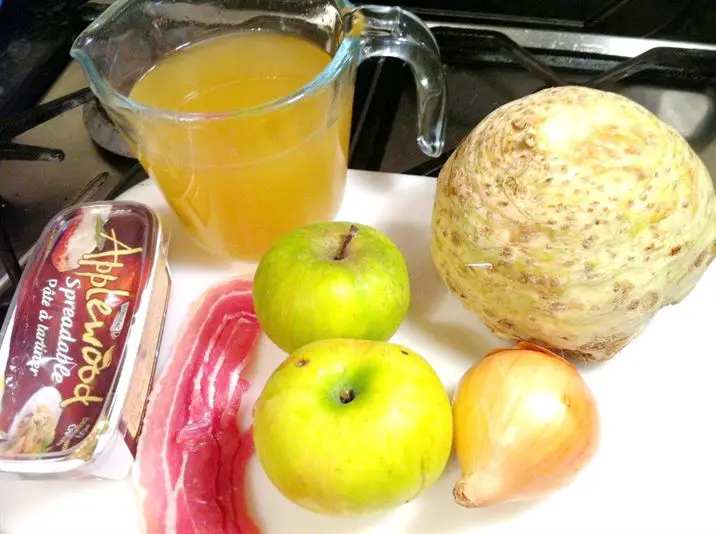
(192, 454)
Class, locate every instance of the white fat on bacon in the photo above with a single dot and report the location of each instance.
(192, 455)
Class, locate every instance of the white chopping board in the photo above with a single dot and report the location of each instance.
(655, 469)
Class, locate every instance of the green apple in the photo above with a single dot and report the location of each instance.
(331, 280)
(348, 427)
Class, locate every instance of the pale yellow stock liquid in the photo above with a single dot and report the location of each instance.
(239, 183)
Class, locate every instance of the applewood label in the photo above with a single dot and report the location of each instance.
(71, 323)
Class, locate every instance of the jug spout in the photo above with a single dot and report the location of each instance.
(128, 39)
(99, 52)
(79, 53)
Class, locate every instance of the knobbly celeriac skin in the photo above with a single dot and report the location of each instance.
(570, 217)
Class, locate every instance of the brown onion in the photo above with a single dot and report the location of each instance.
(525, 424)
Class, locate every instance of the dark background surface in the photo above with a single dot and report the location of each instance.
(685, 19)
(35, 39)
(35, 35)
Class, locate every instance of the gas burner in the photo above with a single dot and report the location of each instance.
(99, 126)
(103, 131)
(11, 127)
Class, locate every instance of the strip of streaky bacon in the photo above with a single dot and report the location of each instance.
(192, 455)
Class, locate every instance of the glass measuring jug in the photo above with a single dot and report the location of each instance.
(241, 109)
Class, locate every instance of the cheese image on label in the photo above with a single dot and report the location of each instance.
(35, 425)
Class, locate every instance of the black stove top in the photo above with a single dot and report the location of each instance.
(35, 39)
(486, 68)
(690, 20)
(501, 52)
(36, 35)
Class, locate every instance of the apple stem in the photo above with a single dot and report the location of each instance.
(343, 252)
(346, 396)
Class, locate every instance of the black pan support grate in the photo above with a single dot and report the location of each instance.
(689, 67)
(12, 126)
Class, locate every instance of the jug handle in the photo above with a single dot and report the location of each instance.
(395, 32)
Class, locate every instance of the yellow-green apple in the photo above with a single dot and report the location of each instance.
(331, 280)
(348, 427)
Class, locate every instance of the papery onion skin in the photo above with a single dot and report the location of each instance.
(525, 424)
(569, 217)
